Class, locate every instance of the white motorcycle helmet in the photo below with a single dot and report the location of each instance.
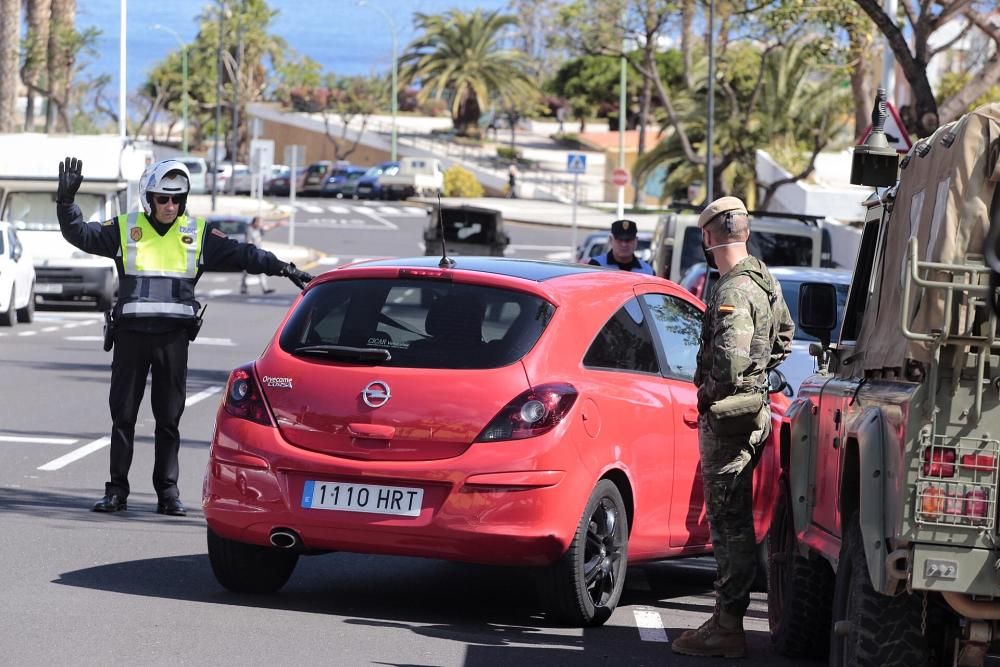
(166, 177)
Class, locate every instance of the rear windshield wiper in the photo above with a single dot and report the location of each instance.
(345, 353)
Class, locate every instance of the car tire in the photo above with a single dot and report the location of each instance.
(249, 568)
(800, 588)
(585, 585)
(7, 317)
(26, 315)
(880, 630)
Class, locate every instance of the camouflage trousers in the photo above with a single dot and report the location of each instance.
(727, 465)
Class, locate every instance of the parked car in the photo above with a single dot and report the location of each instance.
(499, 411)
(277, 178)
(416, 176)
(17, 279)
(368, 186)
(242, 180)
(596, 244)
(198, 169)
(342, 181)
(800, 364)
(315, 176)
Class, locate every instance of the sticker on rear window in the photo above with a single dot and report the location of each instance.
(281, 383)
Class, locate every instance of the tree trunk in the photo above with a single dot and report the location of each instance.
(687, 43)
(38, 17)
(61, 58)
(10, 24)
(860, 86)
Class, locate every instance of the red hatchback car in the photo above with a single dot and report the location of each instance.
(500, 411)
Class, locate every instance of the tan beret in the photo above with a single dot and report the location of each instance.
(720, 206)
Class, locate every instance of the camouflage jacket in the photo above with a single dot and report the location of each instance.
(746, 332)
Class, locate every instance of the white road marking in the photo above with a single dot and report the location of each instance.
(40, 441)
(218, 292)
(402, 210)
(83, 338)
(328, 261)
(201, 396)
(27, 333)
(338, 209)
(47, 329)
(370, 212)
(566, 256)
(310, 208)
(76, 454)
(650, 625)
(226, 342)
(101, 443)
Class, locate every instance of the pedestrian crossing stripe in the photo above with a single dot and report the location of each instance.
(364, 209)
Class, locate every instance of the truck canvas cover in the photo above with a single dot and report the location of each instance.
(943, 199)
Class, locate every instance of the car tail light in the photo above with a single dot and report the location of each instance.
(536, 411)
(939, 462)
(243, 397)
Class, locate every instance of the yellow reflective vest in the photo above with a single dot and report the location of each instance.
(159, 272)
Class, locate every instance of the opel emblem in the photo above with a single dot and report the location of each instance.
(376, 394)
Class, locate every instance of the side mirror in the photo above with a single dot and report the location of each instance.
(15, 253)
(776, 381)
(818, 310)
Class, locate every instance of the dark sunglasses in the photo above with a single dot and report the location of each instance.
(162, 200)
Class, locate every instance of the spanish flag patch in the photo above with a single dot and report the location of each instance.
(221, 235)
(726, 309)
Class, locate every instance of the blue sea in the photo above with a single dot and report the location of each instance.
(345, 38)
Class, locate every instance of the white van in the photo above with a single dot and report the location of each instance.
(62, 271)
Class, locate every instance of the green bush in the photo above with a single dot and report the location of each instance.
(507, 153)
(459, 182)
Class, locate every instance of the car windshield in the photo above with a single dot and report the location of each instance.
(419, 323)
(36, 211)
(774, 248)
(195, 167)
(790, 290)
(228, 227)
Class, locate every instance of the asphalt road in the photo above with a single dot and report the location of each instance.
(136, 588)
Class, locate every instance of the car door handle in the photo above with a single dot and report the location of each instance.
(690, 418)
(373, 431)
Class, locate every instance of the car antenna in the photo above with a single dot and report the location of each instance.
(446, 262)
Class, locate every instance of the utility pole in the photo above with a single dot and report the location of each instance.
(122, 104)
(710, 123)
(184, 83)
(218, 102)
(236, 103)
(622, 116)
(395, 90)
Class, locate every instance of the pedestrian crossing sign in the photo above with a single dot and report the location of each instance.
(576, 163)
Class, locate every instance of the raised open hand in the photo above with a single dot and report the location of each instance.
(70, 179)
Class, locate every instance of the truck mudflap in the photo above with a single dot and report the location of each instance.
(943, 568)
(870, 435)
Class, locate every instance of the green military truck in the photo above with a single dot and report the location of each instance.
(884, 549)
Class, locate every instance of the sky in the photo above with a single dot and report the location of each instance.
(342, 36)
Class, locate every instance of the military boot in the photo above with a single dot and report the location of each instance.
(720, 636)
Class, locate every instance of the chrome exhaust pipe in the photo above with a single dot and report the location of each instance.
(285, 538)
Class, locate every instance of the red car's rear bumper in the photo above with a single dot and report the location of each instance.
(498, 503)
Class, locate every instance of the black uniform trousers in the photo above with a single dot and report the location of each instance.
(135, 354)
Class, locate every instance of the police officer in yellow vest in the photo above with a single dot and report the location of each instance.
(160, 254)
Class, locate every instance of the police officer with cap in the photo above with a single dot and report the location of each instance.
(622, 254)
(746, 332)
(160, 253)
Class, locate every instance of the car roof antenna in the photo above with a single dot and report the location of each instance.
(446, 261)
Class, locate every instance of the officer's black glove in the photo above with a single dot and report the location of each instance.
(300, 278)
(70, 179)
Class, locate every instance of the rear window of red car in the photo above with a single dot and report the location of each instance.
(421, 323)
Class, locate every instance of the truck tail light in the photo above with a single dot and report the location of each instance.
(979, 462)
(536, 411)
(977, 502)
(243, 397)
(939, 462)
(932, 502)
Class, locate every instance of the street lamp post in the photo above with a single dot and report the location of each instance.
(395, 92)
(184, 83)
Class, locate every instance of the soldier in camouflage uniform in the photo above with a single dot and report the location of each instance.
(746, 332)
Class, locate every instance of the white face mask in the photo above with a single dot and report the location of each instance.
(723, 245)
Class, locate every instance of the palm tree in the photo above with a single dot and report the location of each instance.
(38, 14)
(463, 57)
(10, 20)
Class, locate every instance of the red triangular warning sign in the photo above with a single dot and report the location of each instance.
(895, 131)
